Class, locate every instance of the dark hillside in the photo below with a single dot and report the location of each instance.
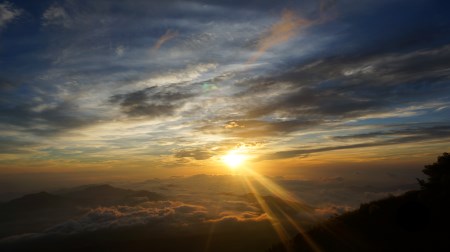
(415, 221)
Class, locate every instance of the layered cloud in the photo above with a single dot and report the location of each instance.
(179, 83)
(159, 215)
(151, 102)
(436, 133)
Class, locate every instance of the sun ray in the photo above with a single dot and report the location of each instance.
(290, 200)
(276, 224)
(313, 245)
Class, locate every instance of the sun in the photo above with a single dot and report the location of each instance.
(233, 159)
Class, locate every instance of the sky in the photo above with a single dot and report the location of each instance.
(126, 90)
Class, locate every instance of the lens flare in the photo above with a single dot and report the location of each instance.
(234, 159)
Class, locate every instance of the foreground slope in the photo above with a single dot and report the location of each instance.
(415, 221)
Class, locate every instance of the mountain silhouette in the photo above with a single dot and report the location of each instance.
(107, 195)
(31, 201)
(38, 211)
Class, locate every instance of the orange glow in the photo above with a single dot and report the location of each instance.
(234, 159)
(280, 32)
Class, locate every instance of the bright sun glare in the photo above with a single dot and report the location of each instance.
(233, 159)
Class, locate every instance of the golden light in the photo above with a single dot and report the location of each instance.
(233, 159)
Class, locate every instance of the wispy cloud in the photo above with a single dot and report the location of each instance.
(56, 15)
(286, 28)
(120, 50)
(324, 8)
(289, 25)
(438, 133)
(164, 38)
(8, 13)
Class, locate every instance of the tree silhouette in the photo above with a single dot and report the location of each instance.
(438, 176)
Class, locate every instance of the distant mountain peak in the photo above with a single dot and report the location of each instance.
(101, 187)
(36, 200)
(37, 196)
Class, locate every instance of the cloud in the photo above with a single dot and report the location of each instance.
(48, 120)
(439, 133)
(240, 206)
(340, 88)
(260, 128)
(233, 124)
(151, 102)
(8, 13)
(164, 38)
(197, 154)
(325, 6)
(419, 130)
(331, 78)
(15, 145)
(150, 212)
(186, 75)
(56, 15)
(230, 217)
(120, 50)
(308, 101)
(161, 214)
(201, 200)
(332, 210)
(280, 32)
(161, 217)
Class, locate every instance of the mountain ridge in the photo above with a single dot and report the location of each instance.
(37, 211)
